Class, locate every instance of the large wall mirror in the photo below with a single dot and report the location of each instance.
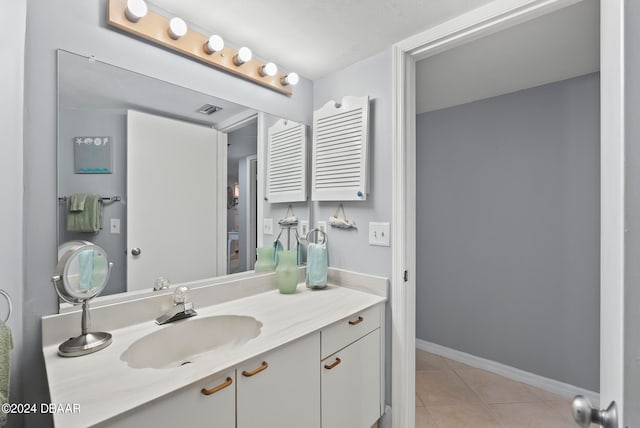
(143, 153)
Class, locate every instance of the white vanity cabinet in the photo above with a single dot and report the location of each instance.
(206, 403)
(281, 389)
(276, 380)
(351, 371)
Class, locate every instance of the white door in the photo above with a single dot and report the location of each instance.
(350, 384)
(173, 191)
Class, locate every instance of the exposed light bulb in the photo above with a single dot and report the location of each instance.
(290, 79)
(214, 44)
(243, 55)
(136, 10)
(177, 28)
(269, 69)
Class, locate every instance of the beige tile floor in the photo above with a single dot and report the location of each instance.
(453, 395)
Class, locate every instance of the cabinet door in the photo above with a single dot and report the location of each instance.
(192, 404)
(287, 162)
(351, 385)
(281, 389)
(339, 156)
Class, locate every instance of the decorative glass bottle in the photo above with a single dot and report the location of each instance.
(287, 272)
(266, 261)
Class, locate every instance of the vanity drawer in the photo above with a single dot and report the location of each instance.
(348, 330)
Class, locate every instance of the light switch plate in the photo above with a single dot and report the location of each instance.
(379, 234)
(114, 226)
(322, 225)
(267, 226)
(304, 228)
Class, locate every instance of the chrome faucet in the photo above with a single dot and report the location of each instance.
(181, 308)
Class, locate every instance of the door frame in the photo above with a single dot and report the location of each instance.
(493, 17)
(252, 184)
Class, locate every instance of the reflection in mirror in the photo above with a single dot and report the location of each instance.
(97, 162)
(81, 274)
(242, 182)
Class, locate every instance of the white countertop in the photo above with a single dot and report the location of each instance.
(104, 385)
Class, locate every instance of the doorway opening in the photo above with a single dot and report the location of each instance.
(508, 202)
(473, 26)
(242, 204)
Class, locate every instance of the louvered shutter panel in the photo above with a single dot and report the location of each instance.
(340, 143)
(287, 162)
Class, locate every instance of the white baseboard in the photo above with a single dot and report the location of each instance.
(551, 385)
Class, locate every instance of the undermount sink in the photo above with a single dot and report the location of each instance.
(183, 342)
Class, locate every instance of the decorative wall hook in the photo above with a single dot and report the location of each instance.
(290, 218)
(341, 222)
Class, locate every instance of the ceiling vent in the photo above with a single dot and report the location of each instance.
(208, 109)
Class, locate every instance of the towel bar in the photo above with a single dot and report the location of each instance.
(6, 296)
(102, 198)
(317, 231)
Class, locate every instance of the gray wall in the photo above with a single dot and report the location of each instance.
(632, 215)
(75, 123)
(12, 31)
(241, 143)
(350, 249)
(80, 27)
(508, 229)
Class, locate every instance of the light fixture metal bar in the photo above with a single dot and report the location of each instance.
(153, 27)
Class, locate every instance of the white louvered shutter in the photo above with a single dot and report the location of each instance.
(287, 162)
(340, 143)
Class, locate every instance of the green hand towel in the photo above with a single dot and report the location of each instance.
(277, 247)
(88, 220)
(6, 344)
(317, 264)
(86, 265)
(77, 201)
(100, 266)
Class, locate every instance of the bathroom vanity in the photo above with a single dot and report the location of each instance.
(309, 359)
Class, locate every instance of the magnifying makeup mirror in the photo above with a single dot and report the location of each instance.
(81, 274)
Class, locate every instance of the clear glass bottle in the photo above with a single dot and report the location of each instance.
(266, 261)
(287, 272)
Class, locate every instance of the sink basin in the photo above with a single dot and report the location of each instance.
(186, 341)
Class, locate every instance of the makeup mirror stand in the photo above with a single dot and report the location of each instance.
(88, 342)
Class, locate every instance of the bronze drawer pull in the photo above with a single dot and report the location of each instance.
(215, 389)
(358, 321)
(332, 365)
(262, 367)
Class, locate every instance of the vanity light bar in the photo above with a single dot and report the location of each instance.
(134, 17)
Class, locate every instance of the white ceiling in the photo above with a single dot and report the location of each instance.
(316, 37)
(554, 47)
